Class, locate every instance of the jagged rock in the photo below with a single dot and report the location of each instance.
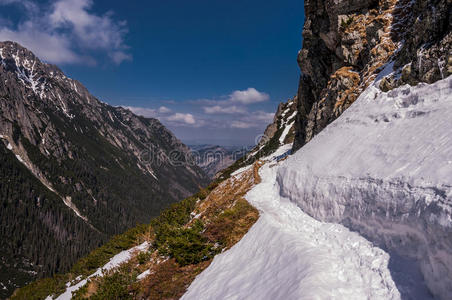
(362, 36)
(283, 111)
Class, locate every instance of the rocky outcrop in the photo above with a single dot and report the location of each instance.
(347, 44)
(284, 117)
(426, 51)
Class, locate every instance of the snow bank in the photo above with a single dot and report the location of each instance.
(289, 255)
(384, 169)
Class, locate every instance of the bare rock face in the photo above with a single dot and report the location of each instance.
(346, 44)
(284, 115)
(108, 168)
(426, 53)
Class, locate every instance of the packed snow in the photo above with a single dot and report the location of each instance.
(114, 262)
(289, 255)
(384, 170)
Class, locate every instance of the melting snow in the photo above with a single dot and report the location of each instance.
(143, 275)
(20, 159)
(285, 132)
(114, 262)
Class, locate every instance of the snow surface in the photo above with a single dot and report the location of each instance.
(289, 255)
(114, 262)
(384, 169)
(21, 160)
(143, 275)
(285, 132)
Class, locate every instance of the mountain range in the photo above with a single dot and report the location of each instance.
(214, 158)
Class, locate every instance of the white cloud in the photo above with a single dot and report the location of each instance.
(142, 111)
(234, 103)
(183, 118)
(248, 96)
(51, 48)
(257, 119)
(64, 31)
(175, 119)
(215, 117)
(164, 110)
(217, 109)
(262, 116)
(241, 124)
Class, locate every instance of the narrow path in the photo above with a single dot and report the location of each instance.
(289, 255)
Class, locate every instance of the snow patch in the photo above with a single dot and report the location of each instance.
(144, 275)
(285, 132)
(114, 262)
(21, 160)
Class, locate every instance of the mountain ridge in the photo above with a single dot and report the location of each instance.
(104, 163)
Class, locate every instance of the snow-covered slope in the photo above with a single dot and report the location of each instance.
(384, 169)
(289, 255)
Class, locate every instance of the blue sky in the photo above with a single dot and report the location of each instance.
(212, 71)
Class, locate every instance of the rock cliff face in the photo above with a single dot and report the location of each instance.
(347, 44)
(109, 168)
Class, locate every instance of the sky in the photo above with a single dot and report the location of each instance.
(212, 71)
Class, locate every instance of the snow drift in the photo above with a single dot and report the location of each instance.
(384, 169)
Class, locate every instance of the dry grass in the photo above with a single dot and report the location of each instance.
(170, 281)
(228, 217)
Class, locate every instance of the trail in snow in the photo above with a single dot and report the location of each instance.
(384, 169)
(289, 255)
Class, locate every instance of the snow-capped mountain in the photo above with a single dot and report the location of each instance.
(74, 170)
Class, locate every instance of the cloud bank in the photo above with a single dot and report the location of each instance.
(233, 112)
